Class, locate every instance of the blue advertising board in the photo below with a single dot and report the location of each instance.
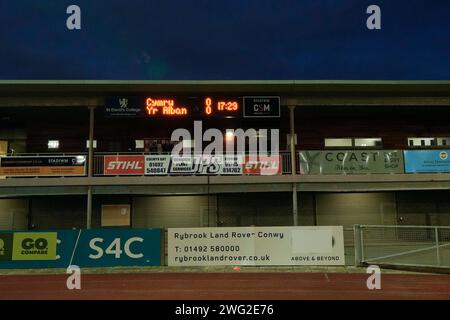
(84, 248)
(225, 40)
(417, 161)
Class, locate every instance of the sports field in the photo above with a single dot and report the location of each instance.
(227, 285)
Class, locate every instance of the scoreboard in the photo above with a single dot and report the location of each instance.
(160, 106)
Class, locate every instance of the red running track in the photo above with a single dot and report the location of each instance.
(226, 286)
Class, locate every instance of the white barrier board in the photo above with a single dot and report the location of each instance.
(315, 245)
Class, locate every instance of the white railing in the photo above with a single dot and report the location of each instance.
(420, 246)
(99, 159)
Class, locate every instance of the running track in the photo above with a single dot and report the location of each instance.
(226, 286)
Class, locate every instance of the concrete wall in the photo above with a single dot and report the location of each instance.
(173, 211)
(240, 209)
(348, 209)
(264, 209)
(424, 208)
(67, 212)
(60, 212)
(14, 214)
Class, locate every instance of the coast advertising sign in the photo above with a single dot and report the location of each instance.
(256, 246)
(351, 162)
(43, 166)
(85, 248)
(417, 161)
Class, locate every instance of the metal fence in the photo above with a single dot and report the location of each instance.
(349, 245)
(419, 246)
(98, 162)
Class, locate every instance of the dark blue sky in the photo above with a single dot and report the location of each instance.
(225, 40)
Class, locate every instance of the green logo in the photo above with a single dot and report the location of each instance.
(5, 246)
(34, 246)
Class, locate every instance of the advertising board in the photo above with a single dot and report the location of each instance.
(256, 246)
(84, 248)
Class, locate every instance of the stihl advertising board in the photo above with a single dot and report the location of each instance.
(124, 165)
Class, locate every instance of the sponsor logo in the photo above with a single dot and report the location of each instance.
(262, 165)
(443, 155)
(196, 165)
(34, 246)
(124, 165)
(123, 102)
(5, 246)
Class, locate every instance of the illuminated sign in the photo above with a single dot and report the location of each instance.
(36, 166)
(159, 106)
(228, 107)
(165, 107)
(123, 107)
(182, 107)
(261, 107)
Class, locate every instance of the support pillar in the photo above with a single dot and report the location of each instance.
(90, 167)
(293, 165)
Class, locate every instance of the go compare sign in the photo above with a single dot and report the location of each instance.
(27, 246)
(85, 248)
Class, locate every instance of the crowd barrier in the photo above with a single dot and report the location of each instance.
(84, 248)
(259, 246)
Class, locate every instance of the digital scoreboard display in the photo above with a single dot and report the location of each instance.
(206, 106)
(159, 106)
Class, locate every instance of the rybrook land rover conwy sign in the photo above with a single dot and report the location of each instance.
(311, 245)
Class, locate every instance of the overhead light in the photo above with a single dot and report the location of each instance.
(94, 144)
(81, 159)
(139, 144)
(53, 144)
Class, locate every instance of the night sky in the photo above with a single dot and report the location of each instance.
(225, 40)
